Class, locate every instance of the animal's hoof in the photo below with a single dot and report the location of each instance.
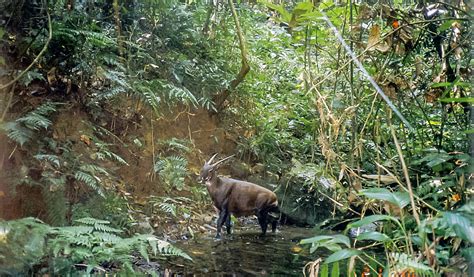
(218, 236)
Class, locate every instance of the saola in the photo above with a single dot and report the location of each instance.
(238, 198)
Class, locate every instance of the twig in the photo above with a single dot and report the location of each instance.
(41, 53)
(9, 102)
(404, 188)
(339, 204)
(407, 177)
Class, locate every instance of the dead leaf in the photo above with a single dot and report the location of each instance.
(386, 179)
(52, 76)
(2, 194)
(86, 139)
(374, 36)
(374, 42)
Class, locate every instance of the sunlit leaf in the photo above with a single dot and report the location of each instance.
(371, 219)
(376, 236)
(341, 255)
(461, 225)
(335, 270)
(401, 199)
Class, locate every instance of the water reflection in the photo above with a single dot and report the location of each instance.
(245, 253)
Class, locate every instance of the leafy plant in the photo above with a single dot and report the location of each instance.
(91, 245)
(24, 128)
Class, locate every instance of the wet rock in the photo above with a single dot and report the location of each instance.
(300, 206)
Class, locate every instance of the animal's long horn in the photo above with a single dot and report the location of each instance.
(212, 158)
(223, 160)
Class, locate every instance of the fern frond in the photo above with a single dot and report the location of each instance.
(52, 159)
(35, 121)
(91, 221)
(144, 91)
(76, 230)
(168, 208)
(104, 153)
(403, 262)
(90, 181)
(17, 133)
(94, 169)
(107, 236)
(97, 39)
(106, 229)
(177, 144)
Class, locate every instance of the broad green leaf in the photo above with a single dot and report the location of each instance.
(341, 255)
(370, 219)
(324, 270)
(328, 240)
(468, 254)
(461, 225)
(303, 6)
(335, 270)
(468, 207)
(315, 239)
(401, 199)
(341, 239)
(376, 236)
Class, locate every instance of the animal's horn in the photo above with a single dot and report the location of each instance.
(212, 158)
(223, 160)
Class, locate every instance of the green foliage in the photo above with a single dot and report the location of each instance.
(91, 243)
(22, 245)
(24, 128)
(177, 207)
(172, 171)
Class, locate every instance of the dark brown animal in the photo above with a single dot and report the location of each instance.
(239, 198)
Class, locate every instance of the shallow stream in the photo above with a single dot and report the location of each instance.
(244, 253)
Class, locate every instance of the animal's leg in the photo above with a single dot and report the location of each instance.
(227, 224)
(220, 221)
(274, 225)
(262, 220)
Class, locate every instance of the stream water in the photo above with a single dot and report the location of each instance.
(244, 253)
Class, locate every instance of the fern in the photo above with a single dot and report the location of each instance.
(95, 243)
(172, 171)
(144, 91)
(168, 208)
(177, 145)
(91, 221)
(17, 132)
(22, 129)
(90, 180)
(52, 159)
(56, 205)
(98, 39)
(403, 262)
(104, 153)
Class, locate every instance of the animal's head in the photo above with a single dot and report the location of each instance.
(208, 170)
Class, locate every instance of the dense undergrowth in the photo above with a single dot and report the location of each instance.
(305, 112)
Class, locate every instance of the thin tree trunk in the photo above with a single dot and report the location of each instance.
(244, 69)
